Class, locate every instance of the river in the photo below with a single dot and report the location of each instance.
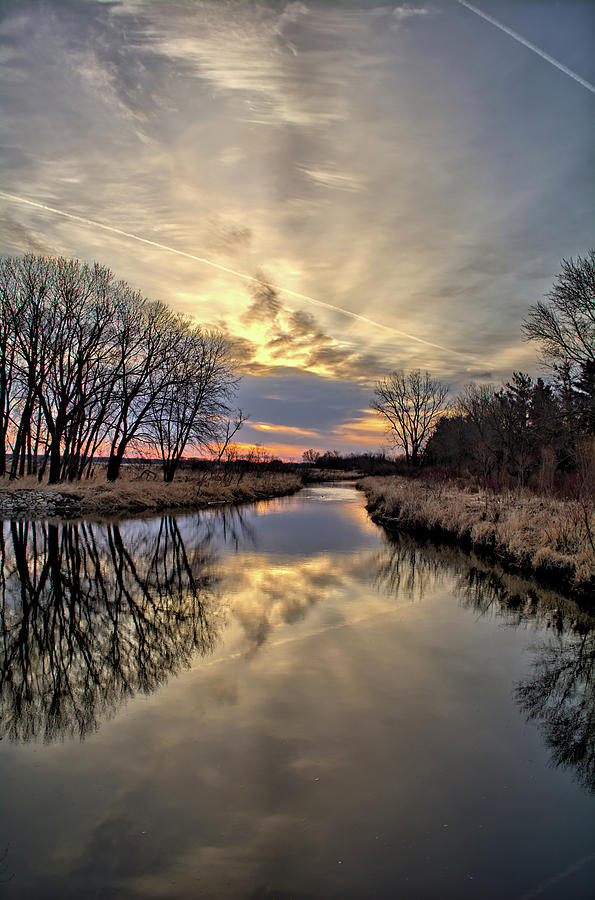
(280, 701)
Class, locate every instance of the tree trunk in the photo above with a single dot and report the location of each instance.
(55, 461)
(169, 470)
(114, 463)
(55, 473)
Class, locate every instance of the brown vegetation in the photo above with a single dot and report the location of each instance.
(549, 537)
(317, 476)
(140, 490)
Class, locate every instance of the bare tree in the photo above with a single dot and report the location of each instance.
(31, 313)
(411, 404)
(8, 380)
(98, 370)
(87, 362)
(311, 456)
(193, 408)
(80, 319)
(58, 323)
(150, 335)
(564, 325)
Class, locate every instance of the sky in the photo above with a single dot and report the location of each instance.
(344, 188)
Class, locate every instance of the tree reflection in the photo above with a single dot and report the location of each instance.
(518, 600)
(406, 567)
(92, 614)
(559, 694)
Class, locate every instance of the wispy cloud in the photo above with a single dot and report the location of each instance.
(245, 51)
(410, 12)
(272, 430)
(330, 177)
(364, 430)
(265, 286)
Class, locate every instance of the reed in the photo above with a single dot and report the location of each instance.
(550, 537)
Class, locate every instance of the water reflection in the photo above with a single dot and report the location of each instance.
(272, 592)
(354, 714)
(559, 694)
(407, 568)
(91, 615)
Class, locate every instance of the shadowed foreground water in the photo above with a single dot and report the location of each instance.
(281, 702)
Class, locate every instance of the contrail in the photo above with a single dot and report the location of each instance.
(251, 278)
(518, 37)
(294, 638)
(545, 885)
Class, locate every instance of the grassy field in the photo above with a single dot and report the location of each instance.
(549, 537)
(139, 491)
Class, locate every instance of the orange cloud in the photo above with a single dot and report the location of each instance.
(363, 431)
(287, 429)
(287, 452)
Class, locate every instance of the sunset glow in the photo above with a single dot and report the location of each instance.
(343, 189)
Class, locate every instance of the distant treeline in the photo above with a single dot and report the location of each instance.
(87, 364)
(367, 463)
(525, 433)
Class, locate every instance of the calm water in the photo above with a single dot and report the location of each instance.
(280, 703)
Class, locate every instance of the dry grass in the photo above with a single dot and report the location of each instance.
(317, 476)
(550, 537)
(136, 493)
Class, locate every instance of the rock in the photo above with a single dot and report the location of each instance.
(29, 504)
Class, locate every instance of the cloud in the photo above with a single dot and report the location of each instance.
(265, 305)
(290, 397)
(293, 12)
(16, 237)
(332, 178)
(275, 337)
(408, 12)
(243, 51)
(303, 322)
(284, 429)
(224, 236)
(434, 204)
(363, 431)
(290, 16)
(101, 78)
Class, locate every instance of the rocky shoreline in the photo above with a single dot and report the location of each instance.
(28, 504)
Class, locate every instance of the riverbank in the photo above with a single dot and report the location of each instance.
(134, 493)
(545, 537)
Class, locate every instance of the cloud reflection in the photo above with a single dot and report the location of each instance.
(559, 692)
(93, 614)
